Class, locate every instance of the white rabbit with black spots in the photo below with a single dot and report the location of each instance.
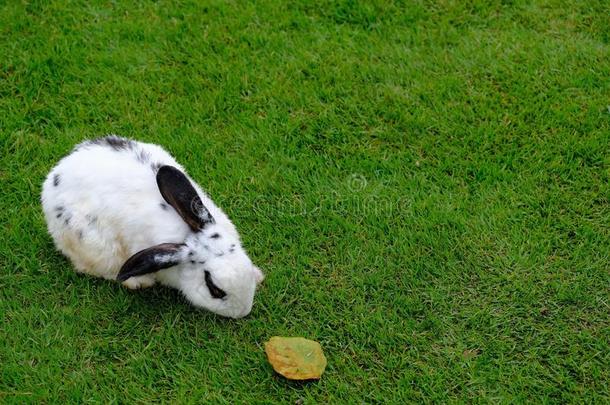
(126, 210)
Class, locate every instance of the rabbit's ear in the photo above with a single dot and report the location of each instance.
(150, 260)
(178, 191)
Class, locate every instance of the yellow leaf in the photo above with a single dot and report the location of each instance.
(470, 353)
(296, 358)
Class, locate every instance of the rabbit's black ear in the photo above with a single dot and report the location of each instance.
(178, 191)
(150, 260)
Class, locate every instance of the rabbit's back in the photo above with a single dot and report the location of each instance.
(102, 204)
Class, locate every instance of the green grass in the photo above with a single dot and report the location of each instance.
(425, 183)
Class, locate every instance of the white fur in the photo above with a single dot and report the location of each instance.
(102, 205)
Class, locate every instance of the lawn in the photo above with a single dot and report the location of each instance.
(426, 185)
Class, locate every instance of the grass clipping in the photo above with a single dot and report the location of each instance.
(296, 358)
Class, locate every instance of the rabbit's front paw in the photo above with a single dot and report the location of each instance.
(134, 283)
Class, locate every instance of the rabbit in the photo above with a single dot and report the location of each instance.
(126, 210)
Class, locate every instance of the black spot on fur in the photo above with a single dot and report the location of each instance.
(192, 262)
(59, 208)
(155, 167)
(191, 253)
(219, 254)
(232, 248)
(58, 215)
(206, 247)
(142, 156)
(80, 234)
(201, 262)
(215, 236)
(91, 219)
(164, 206)
(56, 180)
(67, 221)
(115, 142)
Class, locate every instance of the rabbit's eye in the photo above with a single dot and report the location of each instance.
(214, 290)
